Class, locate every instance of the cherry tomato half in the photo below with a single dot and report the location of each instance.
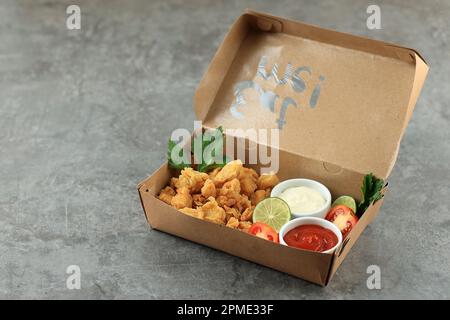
(263, 231)
(343, 217)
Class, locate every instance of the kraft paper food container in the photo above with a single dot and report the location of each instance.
(342, 110)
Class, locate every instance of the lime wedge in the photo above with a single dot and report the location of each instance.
(346, 201)
(272, 211)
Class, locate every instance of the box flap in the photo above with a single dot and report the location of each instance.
(338, 98)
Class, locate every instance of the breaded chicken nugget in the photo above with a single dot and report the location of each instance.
(244, 225)
(231, 212)
(213, 212)
(197, 213)
(233, 223)
(248, 173)
(166, 195)
(173, 182)
(243, 203)
(229, 172)
(182, 199)
(224, 201)
(247, 215)
(209, 189)
(248, 186)
(231, 189)
(214, 173)
(258, 196)
(191, 179)
(266, 181)
(198, 200)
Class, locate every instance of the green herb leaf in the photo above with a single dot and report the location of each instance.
(208, 162)
(172, 163)
(206, 167)
(370, 192)
(211, 144)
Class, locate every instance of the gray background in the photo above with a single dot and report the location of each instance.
(85, 115)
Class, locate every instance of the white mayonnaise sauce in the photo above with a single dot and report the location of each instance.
(302, 199)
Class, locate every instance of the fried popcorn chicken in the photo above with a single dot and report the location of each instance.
(166, 195)
(173, 182)
(198, 199)
(247, 215)
(229, 172)
(231, 189)
(233, 223)
(232, 213)
(197, 213)
(248, 179)
(213, 212)
(258, 196)
(248, 186)
(191, 179)
(248, 173)
(209, 189)
(223, 201)
(244, 225)
(243, 203)
(214, 173)
(225, 196)
(267, 181)
(182, 199)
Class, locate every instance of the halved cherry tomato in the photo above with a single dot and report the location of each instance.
(263, 231)
(343, 217)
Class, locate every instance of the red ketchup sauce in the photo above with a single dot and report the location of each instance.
(311, 237)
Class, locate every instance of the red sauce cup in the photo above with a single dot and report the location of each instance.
(308, 221)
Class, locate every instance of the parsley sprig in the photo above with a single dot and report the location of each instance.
(371, 192)
(210, 142)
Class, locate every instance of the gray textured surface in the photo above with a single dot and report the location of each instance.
(84, 115)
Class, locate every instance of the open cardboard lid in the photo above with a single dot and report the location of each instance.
(338, 98)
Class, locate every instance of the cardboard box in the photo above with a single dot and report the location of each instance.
(351, 101)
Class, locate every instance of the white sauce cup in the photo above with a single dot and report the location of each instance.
(292, 183)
